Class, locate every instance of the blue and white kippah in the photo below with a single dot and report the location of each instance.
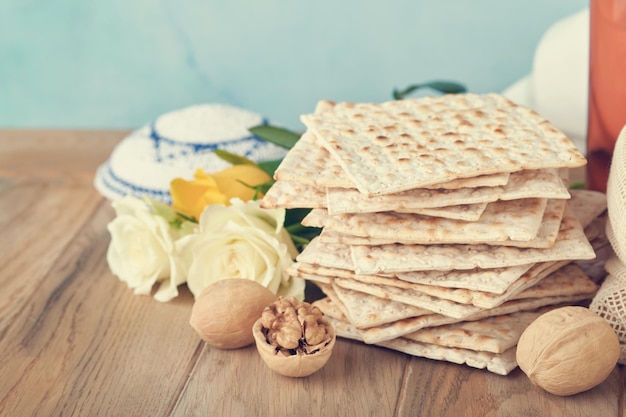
(175, 145)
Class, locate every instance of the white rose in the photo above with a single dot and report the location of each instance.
(241, 241)
(142, 251)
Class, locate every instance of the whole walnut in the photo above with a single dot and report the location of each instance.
(568, 350)
(293, 337)
(224, 312)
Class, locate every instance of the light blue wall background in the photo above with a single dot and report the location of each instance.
(121, 63)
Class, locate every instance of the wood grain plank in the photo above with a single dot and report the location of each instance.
(85, 345)
(70, 154)
(358, 380)
(438, 389)
(38, 220)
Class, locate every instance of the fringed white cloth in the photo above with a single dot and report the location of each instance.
(610, 301)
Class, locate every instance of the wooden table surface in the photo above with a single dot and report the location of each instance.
(75, 341)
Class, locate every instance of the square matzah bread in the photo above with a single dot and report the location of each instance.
(501, 364)
(377, 334)
(495, 334)
(496, 280)
(364, 310)
(549, 294)
(587, 205)
(545, 237)
(503, 222)
(286, 194)
(544, 183)
(405, 144)
(470, 282)
(570, 244)
(289, 194)
(497, 363)
(308, 162)
(569, 280)
(524, 184)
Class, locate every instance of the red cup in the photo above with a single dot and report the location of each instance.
(607, 87)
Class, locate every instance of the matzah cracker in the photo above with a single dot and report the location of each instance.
(484, 299)
(569, 280)
(382, 232)
(377, 334)
(308, 162)
(329, 308)
(587, 205)
(570, 244)
(411, 297)
(479, 298)
(465, 212)
(390, 331)
(364, 310)
(405, 144)
(335, 255)
(295, 270)
(538, 183)
(496, 280)
(285, 194)
(501, 364)
(544, 183)
(468, 295)
(491, 180)
(502, 221)
(495, 334)
(332, 295)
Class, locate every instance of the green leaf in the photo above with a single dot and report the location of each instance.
(270, 166)
(233, 158)
(173, 217)
(301, 235)
(161, 209)
(295, 216)
(580, 185)
(276, 135)
(260, 189)
(446, 87)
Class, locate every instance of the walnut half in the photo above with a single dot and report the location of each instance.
(292, 326)
(293, 337)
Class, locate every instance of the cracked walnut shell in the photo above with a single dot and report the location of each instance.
(293, 337)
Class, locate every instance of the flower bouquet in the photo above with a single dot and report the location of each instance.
(213, 229)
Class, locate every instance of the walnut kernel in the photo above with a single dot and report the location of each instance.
(291, 325)
(293, 337)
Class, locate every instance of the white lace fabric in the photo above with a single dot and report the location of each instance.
(610, 301)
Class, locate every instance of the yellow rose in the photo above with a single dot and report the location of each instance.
(191, 197)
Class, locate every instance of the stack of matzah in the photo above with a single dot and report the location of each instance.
(447, 224)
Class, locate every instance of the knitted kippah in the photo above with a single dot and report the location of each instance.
(175, 145)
